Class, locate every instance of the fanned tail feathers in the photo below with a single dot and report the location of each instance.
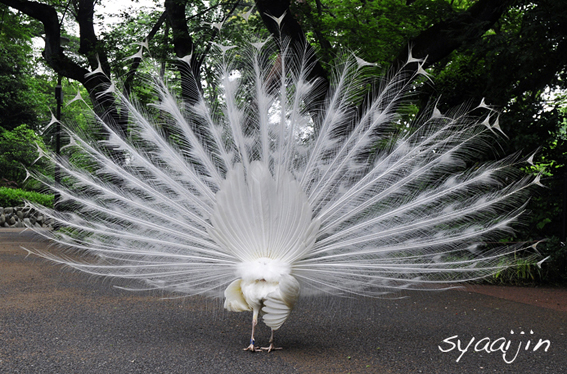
(353, 202)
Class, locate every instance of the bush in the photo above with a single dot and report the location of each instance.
(524, 272)
(10, 197)
(555, 267)
(18, 151)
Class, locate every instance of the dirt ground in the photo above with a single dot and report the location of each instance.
(545, 297)
(56, 321)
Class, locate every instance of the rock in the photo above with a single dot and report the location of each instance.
(22, 217)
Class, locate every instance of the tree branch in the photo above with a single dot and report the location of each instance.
(215, 33)
(438, 41)
(53, 52)
(96, 84)
(136, 63)
(89, 43)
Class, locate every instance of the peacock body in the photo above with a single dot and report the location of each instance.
(259, 195)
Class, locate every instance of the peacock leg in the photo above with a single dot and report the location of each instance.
(271, 346)
(254, 322)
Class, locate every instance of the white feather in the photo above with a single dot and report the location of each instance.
(239, 205)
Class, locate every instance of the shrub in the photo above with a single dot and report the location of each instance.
(18, 151)
(10, 197)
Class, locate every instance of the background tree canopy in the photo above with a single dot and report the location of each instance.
(511, 53)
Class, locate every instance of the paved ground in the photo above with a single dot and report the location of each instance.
(56, 321)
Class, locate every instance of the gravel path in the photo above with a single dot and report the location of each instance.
(57, 321)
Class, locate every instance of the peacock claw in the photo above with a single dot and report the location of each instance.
(252, 348)
(271, 348)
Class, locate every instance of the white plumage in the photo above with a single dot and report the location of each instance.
(248, 198)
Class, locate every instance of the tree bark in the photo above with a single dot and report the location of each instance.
(291, 30)
(183, 46)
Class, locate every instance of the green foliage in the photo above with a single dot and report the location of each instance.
(10, 197)
(18, 151)
(133, 26)
(376, 30)
(22, 98)
(522, 272)
(554, 269)
(525, 271)
(518, 67)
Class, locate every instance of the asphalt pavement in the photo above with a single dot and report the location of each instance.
(53, 320)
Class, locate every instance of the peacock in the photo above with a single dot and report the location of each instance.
(261, 194)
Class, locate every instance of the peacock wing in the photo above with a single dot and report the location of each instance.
(234, 299)
(280, 303)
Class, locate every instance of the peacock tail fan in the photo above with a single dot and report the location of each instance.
(346, 195)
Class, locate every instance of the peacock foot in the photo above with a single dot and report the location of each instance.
(252, 348)
(271, 348)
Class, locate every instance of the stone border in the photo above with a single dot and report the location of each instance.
(23, 216)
